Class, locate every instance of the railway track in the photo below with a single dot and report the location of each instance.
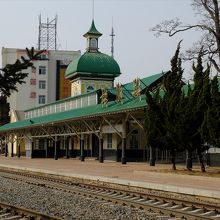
(159, 206)
(11, 212)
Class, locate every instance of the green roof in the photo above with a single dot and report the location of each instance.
(92, 31)
(129, 104)
(75, 114)
(127, 89)
(93, 64)
(145, 82)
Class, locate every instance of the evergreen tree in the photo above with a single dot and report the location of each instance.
(196, 105)
(161, 114)
(175, 120)
(4, 108)
(172, 86)
(210, 128)
(154, 124)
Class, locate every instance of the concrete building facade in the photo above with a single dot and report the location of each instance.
(41, 84)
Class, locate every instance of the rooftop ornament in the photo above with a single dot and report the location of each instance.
(136, 87)
(119, 94)
(104, 97)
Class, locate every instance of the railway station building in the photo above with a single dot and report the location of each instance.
(98, 120)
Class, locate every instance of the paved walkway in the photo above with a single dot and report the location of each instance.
(134, 174)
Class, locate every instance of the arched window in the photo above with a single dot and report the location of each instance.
(90, 88)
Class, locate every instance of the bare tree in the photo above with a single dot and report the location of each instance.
(209, 25)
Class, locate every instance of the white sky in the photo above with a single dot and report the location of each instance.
(138, 52)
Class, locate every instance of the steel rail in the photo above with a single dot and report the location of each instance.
(15, 212)
(166, 206)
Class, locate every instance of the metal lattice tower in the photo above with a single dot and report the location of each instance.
(47, 38)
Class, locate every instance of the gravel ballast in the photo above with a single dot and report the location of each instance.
(63, 204)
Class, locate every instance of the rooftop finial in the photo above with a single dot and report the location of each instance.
(93, 9)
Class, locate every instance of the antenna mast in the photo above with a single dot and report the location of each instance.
(93, 9)
(47, 38)
(112, 40)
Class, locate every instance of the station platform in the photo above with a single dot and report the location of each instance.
(159, 177)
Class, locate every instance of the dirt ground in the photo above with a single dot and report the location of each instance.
(181, 169)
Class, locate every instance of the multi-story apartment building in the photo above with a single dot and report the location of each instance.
(45, 82)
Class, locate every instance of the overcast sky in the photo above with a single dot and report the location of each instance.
(138, 52)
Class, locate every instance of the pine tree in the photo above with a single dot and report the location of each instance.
(161, 114)
(195, 110)
(210, 128)
(172, 86)
(175, 121)
(4, 108)
(154, 124)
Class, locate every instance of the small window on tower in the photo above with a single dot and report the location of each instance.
(93, 43)
(90, 88)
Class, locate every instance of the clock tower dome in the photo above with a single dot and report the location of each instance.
(93, 70)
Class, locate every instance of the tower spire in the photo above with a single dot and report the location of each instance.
(112, 40)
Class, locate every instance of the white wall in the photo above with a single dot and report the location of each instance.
(21, 100)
